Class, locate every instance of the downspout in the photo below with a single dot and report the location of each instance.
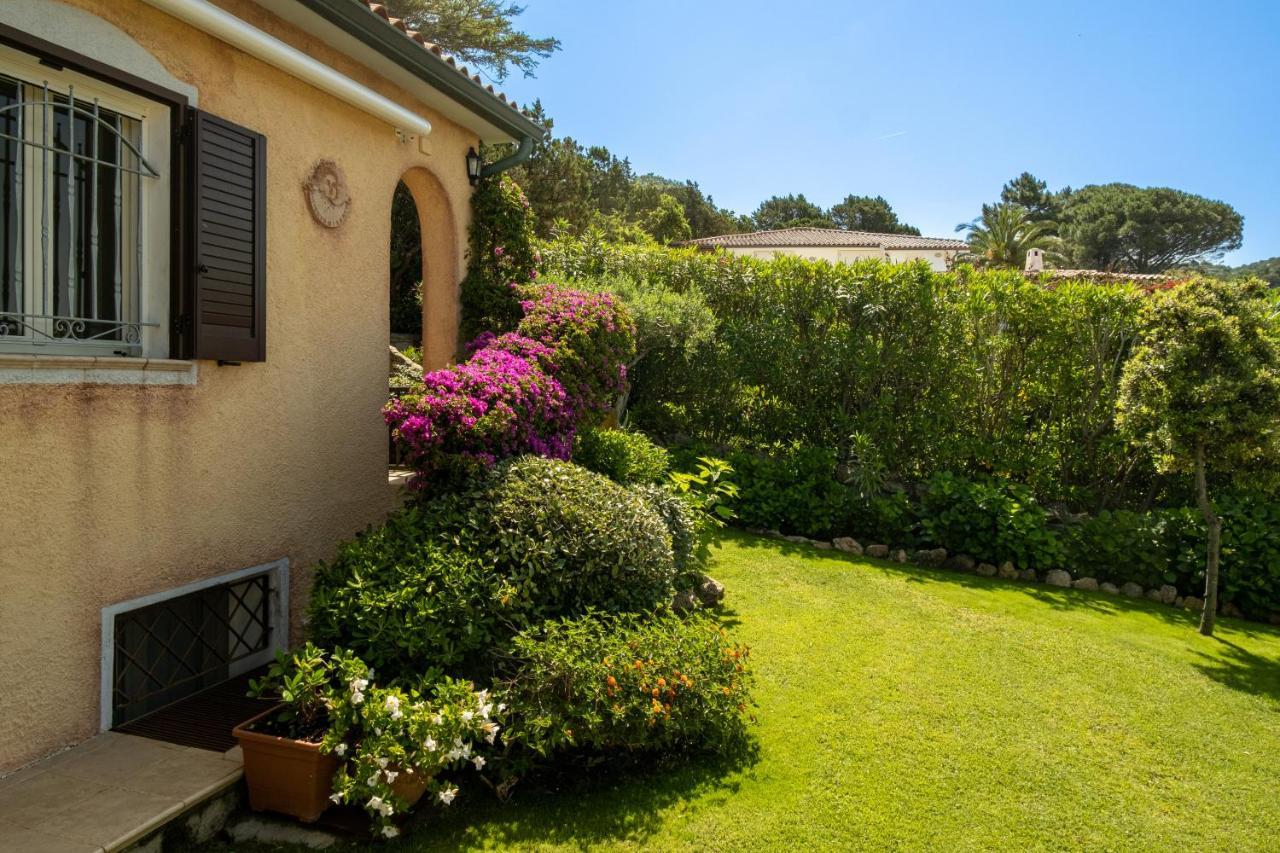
(521, 154)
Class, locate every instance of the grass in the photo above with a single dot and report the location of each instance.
(902, 708)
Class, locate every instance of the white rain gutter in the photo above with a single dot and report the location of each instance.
(271, 50)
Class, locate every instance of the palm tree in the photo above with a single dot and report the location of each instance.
(1003, 234)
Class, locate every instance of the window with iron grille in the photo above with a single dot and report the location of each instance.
(78, 194)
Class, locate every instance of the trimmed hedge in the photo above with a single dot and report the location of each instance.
(566, 539)
(621, 455)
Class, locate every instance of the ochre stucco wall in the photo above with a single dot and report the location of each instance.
(114, 492)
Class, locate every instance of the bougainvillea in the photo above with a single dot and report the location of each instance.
(591, 340)
(522, 392)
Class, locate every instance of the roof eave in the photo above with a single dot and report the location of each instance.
(365, 25)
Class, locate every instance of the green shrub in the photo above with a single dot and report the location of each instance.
(686, 528)
(793, 490)
(892, 519)
(501, 254)
(564, 538)
(1168, 546)
(990, 520)
(621, 455)
(965, 371)
(626, 683)
(407, 603)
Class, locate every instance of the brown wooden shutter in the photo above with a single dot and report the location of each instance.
(226, 213)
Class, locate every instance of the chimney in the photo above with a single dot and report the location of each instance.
(1035, 260)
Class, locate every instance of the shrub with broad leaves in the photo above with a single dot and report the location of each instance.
(627, 683)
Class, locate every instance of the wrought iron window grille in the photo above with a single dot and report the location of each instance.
(71, 235)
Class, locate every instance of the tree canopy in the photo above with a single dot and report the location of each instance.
(1202, 390)
(480, 32)
(867, 213)
(1033, 195)
(789, 211)
(1142, 230)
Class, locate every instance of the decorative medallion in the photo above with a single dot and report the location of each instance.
(327, 195)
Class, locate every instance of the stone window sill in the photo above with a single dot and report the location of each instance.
(94, 370)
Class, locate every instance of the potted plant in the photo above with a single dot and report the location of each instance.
(337, 737)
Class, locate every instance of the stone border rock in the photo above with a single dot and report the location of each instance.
(937, 558)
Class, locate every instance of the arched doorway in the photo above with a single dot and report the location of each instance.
(426, 268)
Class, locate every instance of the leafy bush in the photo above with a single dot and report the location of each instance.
(409, 604)
(626, 683)
(686, 528)
(989, 520)
(621, 455)
(502, 256)
(565, 538)
(793, 490)
(964, 371)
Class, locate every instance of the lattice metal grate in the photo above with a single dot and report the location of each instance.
(169, 650)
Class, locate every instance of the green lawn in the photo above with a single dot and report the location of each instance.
(902, 708)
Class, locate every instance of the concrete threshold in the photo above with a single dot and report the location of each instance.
(108, 793)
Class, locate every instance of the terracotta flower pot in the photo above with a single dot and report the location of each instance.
(289, 776)
(410, 787)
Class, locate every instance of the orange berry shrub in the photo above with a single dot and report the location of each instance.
(627, 683)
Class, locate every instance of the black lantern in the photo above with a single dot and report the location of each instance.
(473, 166)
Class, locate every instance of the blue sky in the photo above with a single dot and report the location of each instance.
(932, 105)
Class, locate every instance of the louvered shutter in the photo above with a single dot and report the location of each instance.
(226, 214)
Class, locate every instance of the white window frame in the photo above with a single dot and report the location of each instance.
(279, 641)
(152, 308)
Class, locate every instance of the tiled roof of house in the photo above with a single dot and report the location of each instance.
(1103, 276)
(832, 237)
(381, 11)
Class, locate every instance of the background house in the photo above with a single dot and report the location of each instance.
(194, 249)
(837, 246)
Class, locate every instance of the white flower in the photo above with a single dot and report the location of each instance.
(453, 754)
(356, 697)
(358, 684)
(437, 719)
(447, 795)
(372, 780)
(478, 761)
(502, 706)
(466, 716)
(466, 750)
(391, 776)
(429, 744)
(486, 709)
(390, 831)
(340, 750)
(491, 732)
(381, 806)
(393, 705)
(382, 762)
(336, 797)
(482, 697)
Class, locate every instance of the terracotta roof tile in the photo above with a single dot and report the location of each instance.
(398, 23)
(829, 237)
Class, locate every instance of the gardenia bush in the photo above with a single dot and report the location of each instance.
(383, 736)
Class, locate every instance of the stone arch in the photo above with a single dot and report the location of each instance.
(440, 267)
